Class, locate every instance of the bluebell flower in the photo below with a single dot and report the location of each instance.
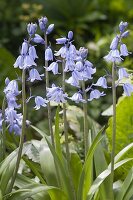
(34, 75)
(79, 66)
(12, 116)
(39, 101)
(123, 26)
(75, 78)
(15, 128)
(113, 56)
(11, 101)
(122, 73)
(70, 35)
(114, 43)
(38, 39)
(102, 82)
(95, 94)
(62, 52)
(82, 53)
(88, 70)
(56, 94)
(12, 87)
(77, 98)
(24, 49)
(32, 52)
(42, 23)
(62, 40)
(19, 62)
(128, 89)
(48, 54)
(31, 28)
(125, 34)
(123, 50)
(53, 67)
(50, 29)
(28, 62)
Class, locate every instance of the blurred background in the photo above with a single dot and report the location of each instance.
(94, 23)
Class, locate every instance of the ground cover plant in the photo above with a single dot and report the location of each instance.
(59, 163)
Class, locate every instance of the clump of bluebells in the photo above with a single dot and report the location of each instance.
(73, 61)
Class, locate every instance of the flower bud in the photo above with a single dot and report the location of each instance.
(123, 26)
(42, 23)
(31, 28)
(70, 35)
(50, 29)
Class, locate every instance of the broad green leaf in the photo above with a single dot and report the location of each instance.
(63, 173)
(76, 168)
(125, 186)
(124, 134)
(105, 191)
(47, 164)
(86, 174)
(99, 180)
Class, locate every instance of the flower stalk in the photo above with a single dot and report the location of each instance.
(22, 134)
(47, 86)
(114, 122)
(85, 134)
(66, 134)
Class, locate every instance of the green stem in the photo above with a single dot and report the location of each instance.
(66, 136)
(113, 123)
(47, 86)
(85, 135)
(22, 134)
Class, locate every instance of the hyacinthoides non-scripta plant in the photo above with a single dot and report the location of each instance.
(73, 62)
(118, 51)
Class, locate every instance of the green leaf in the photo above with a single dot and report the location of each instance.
(47, 164)
(63, 173)
(86, 175)
(99, 180)
(105, 190)
(76, 168)
(124, 133)
(35, 189)
(125, 186)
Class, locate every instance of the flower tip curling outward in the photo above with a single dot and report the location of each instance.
(39, 101)
(95, 94)
(128, 89)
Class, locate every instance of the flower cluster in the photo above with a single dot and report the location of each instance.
(118, 50)
(12, 118)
